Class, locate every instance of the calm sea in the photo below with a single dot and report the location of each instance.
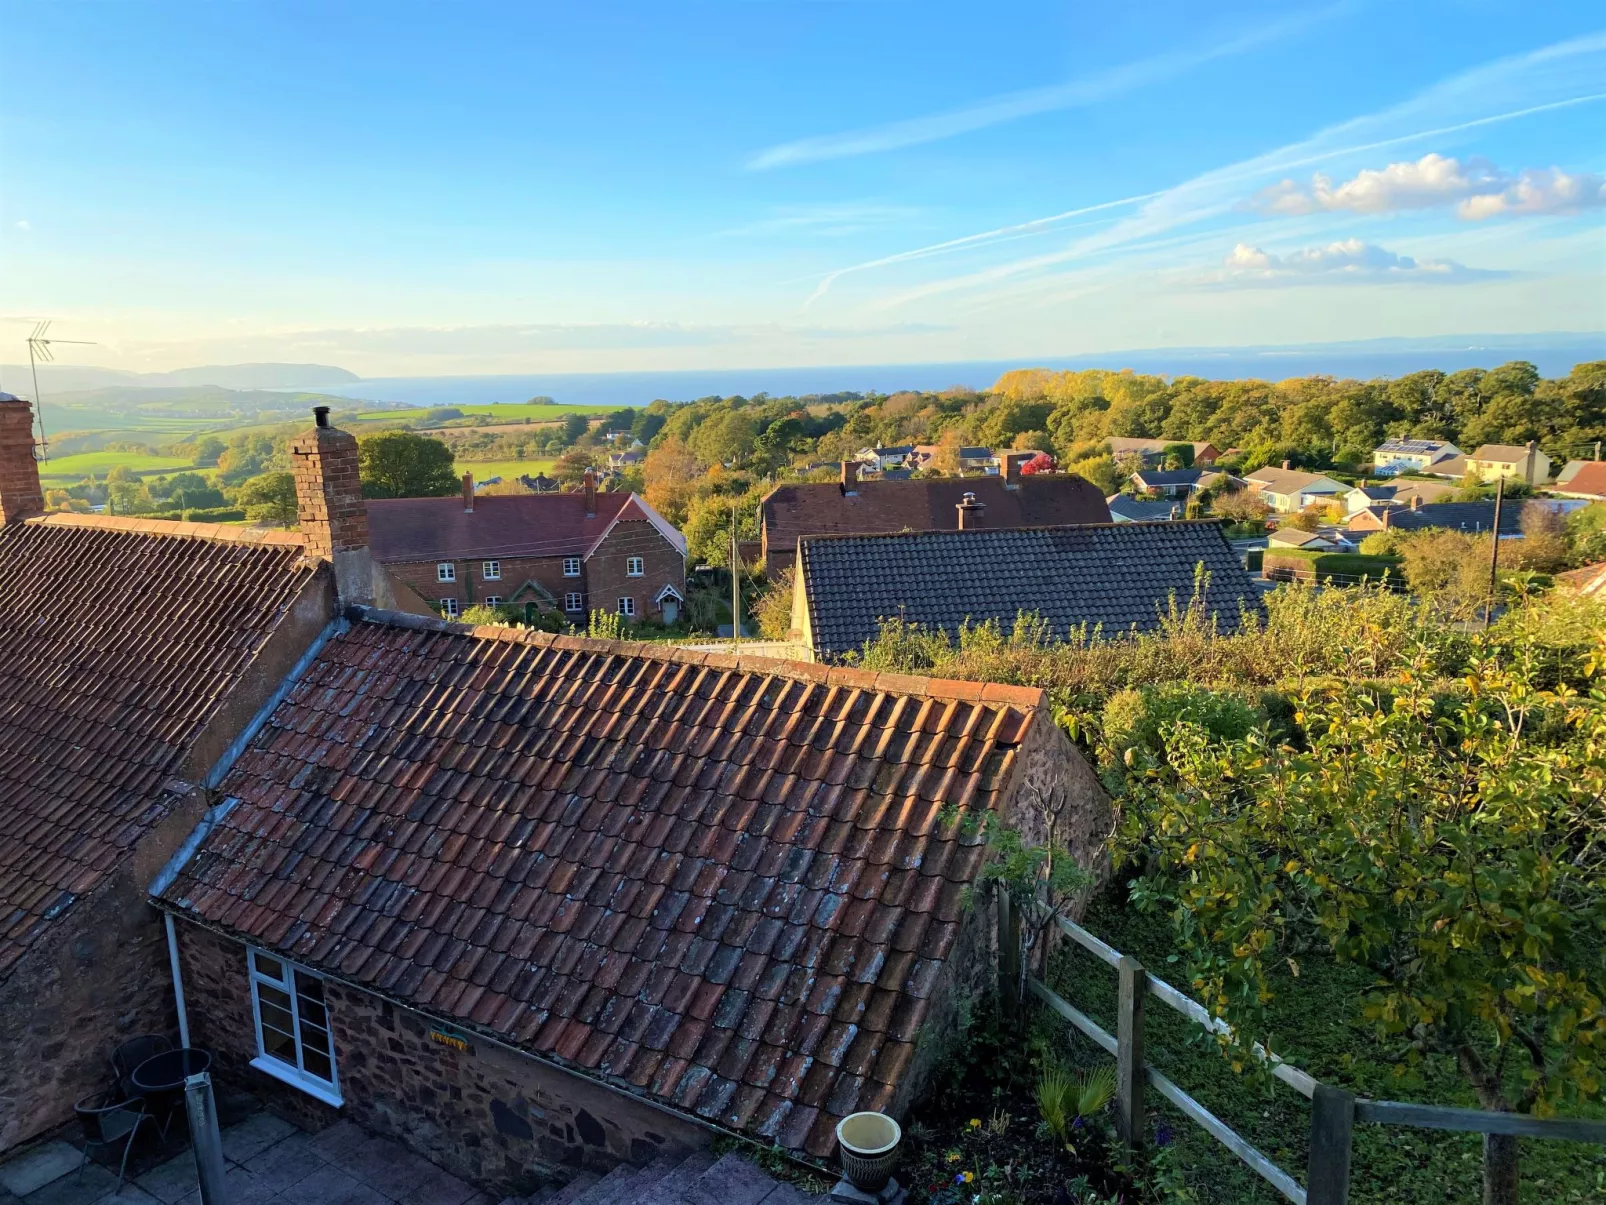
(1555, 355)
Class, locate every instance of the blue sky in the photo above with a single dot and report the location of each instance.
(445, 188)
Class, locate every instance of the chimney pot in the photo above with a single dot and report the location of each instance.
(1287, 464)
(320, 416)
(970, 512)
(468, 493)
(1416, 501)
(850, 476)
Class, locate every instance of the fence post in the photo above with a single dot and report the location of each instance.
(1332, 1122)
(1008, 952)
(1129, 1076)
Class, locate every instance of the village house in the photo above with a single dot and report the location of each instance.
(1363, 496)
(568, 554)
(1167, 483)
(1525, 463)
(971, 459)
(885, 460)
(1394, 456)
(1112, 578)
(134, 652)
(1153, 451)
(852, 506)
(1286, 490)
(1308, 541)
(1583, 479)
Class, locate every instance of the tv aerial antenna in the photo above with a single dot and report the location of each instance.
(39, 345)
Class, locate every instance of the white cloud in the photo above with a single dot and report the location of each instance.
(23, 225)
(1476, 187)
(1536, 192)
(1090, 89)
(1349, 261)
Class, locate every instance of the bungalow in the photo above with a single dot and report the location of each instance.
(1471, 517)
(849, 505)
(1168, 483)
(1410, 455)
(879, 460)
(1526, 464)
(1117, 578)
(1288, 489)
(1153, 451)
(1309, 541)
(567, 554)
(1583, 479)
(1363, 496)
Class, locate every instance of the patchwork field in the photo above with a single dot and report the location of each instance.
(72, 469)
(484, 470)
(514, 411)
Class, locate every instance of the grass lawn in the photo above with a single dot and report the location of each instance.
(484, 470)
(1318, 1033)
(97, 464)
(539, 411)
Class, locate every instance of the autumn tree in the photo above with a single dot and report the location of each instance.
(669, 476)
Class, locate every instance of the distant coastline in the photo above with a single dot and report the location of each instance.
(1554, 353)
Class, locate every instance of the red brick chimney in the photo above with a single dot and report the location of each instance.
(970, 512)
(590, 484)
(850, 476)
(1287, 464)
(20, 494)
(468, 493)
(334, 520)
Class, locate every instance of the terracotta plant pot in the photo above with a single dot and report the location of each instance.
(869, 1143)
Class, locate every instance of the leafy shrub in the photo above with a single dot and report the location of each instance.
(1140, 718)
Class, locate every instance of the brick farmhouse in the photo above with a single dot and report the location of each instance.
(567, 554)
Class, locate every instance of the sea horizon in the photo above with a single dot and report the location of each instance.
(1553, 353)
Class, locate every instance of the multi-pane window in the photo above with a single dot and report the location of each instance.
(493, 600)
(292, 1022)
(449, 608)
(491, 571)
(627, 607)
(574, 602)
(571, 566)
(635, 566)
(446, 571)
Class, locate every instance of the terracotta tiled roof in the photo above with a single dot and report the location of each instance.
(118, 640)
(791, 511)
(1589, 479)
(1119, 577)
(727, 885)
(516, 525)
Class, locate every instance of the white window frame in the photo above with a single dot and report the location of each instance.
(450, 607)
(573, 603)
(445, 571)
(296, 1076)
(491, 571)
(493, 600)
(627, 608)
(635, 567)
(571, 566)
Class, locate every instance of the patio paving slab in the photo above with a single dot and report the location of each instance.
(39, 1167)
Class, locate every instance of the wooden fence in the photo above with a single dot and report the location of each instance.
(1334, 1111)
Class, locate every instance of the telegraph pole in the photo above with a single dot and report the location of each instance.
(1494, 551)
(736, 585)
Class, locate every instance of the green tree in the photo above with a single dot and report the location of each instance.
(1455, 846)
(573, 427)
(269, 498)
(207, 450)
(400, 464)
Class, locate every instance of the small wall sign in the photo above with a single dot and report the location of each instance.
(456, 1041)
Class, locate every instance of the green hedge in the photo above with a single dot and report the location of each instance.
(1300, 562)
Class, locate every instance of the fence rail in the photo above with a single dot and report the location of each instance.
(1334, 1111)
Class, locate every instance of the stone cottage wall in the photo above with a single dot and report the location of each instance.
(489, 1115)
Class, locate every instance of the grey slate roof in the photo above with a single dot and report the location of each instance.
(1460, 516)
(1117, 577)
